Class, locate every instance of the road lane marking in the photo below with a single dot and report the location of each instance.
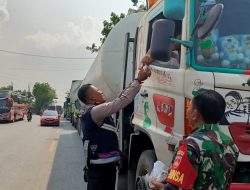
(52, 146)
(58, 131)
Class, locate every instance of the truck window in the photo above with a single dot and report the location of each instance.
(51, 107)
(59, 109)
(3, 102)
(174, 62)
(227, 48)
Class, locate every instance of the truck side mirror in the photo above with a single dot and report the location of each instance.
(68, 100)
(174, 9)
(163, 30)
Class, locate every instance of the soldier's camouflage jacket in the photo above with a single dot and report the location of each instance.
(213, 155)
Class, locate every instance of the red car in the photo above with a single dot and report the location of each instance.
(50, 117)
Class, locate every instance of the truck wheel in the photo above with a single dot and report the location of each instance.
(71, 119)
(79, 126)
(145, 164)
(14, 119)
(81, 133)
(75, 123)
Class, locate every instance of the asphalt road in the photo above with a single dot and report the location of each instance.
(40, 158)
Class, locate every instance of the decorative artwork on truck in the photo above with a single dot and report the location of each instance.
(225, 52)
(237, 108)
(147, 120)
(165, 108)
(161, 76)
(197, 86)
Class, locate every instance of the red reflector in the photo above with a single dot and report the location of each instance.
(240, 133)
(239, 186)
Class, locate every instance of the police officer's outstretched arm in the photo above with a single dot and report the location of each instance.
(101, 111)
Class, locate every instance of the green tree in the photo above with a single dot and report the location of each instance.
(44, 94)
(22, 96)
(9, 87)
(93, 48)
(19, 96)
(107, 27)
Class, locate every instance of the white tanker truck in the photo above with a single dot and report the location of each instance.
(151, 126)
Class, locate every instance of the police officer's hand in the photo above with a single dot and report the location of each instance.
(143, 74)
(157, 185)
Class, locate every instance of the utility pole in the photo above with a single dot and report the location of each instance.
(28, 93)
(12, 88)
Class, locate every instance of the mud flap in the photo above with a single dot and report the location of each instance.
(85, 174)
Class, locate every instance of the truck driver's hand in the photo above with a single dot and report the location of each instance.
(146, 60)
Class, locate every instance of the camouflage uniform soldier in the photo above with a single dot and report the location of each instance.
(207, 158)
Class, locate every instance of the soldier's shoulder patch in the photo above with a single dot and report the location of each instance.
(182, 173)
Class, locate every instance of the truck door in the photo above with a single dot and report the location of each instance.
(159, 105)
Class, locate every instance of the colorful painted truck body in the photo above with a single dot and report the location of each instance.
(10, 110)
(74, 105)
(211, 57)
(217, 61)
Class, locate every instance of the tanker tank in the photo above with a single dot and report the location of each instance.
(106, 72)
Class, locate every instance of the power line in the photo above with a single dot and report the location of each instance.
(26, 69)
(42, 56)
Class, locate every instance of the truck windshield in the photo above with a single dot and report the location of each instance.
(51, 107)
(59, 109)
(227, 48)
(3, 103)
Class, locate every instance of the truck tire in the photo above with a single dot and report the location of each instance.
(78, 127)
(14, 119)
(75, 122)
(145, 164)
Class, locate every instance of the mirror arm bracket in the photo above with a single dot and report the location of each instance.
(185, 43)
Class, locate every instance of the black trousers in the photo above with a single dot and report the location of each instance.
(101, 177)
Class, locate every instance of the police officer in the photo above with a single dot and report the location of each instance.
(100, 139)
(207, 158)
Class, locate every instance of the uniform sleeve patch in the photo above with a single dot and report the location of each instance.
(182, 173)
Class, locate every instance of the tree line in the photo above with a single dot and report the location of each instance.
(41, 96)
(108, 25)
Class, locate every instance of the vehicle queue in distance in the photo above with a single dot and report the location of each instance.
(51, 116)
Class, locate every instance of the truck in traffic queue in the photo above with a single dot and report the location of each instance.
(55, 107)
(10, 110)
(214, 36)
(74, 104)
(66, 113)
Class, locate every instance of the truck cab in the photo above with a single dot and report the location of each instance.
(74, 105)
(214, 54)
(10, 110)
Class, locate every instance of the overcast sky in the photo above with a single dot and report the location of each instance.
(57, 28)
